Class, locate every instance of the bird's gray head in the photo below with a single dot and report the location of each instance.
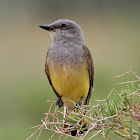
(65, 31)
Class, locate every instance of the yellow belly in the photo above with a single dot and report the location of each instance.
(72, 83)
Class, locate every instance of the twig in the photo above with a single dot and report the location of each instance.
(134, 74)
(36, 126)
(107, 97)
(52, 136)
(59, 132)
(40, 132)
(128, 82)
(34, 133)
(121, 75)
(95, 134)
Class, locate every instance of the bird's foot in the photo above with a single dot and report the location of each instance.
(78, 104)
(59, 102)
(84, 129)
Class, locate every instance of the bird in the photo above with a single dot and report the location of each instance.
(69, 64)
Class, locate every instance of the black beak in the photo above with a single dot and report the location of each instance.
(46, 27)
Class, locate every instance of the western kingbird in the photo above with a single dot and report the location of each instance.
(69, 65)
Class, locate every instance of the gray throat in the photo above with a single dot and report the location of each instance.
(66, 52)
(69, 39)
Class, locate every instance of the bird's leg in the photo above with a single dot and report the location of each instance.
(65, 111)
(59, 102)
(80, 102)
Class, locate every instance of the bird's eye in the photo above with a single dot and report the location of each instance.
(63, 25)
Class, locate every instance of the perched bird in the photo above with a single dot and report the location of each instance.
(69, 65)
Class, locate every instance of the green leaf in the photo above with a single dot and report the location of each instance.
(103, 110)
(108, 108)
(70, 120)
(118, 95)
(95, 113)
(131, 131)
(126, 100)
(115, 101)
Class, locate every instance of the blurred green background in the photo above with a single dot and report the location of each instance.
(112, 32)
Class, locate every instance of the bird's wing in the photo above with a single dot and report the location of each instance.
(91, 71)
(48, 76)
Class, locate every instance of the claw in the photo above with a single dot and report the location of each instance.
(59, 102)
(80, 102)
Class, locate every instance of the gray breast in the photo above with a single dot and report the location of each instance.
(66, 54)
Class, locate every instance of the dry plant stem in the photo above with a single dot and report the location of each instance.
(52, 136)
(121, 75)
(133, 92)
(50, 101)
(58, 131)
(82, 137)
(40, 132)
(107, 97)
(85, 116)
(125, 136)
(130, 71)
(110, 137)
(93, 107)
(95, 134)
(36, 126)
(128, 82)
(34, 132)
(134, 73)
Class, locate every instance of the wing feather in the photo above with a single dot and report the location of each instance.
(91, 71)
(48, 76)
